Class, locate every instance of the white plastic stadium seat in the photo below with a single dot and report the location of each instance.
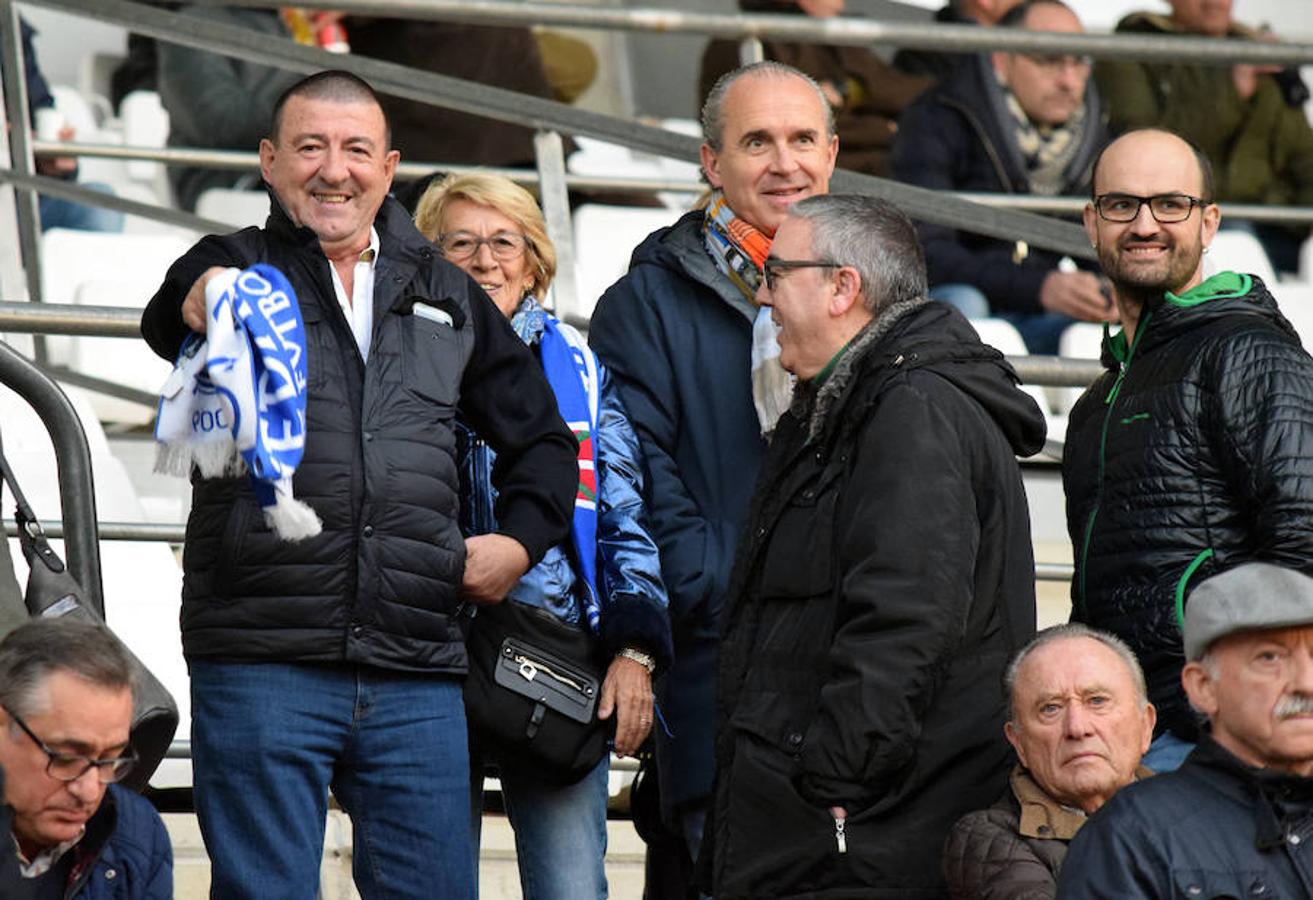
(604, 239)
(1238, 251)
(1004, 337)
(1296, 302)
(236, 207)
(1081, 340)
(98, 269)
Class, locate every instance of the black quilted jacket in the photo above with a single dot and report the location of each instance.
(1191, 454)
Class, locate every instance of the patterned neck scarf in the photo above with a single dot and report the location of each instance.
(739, 250)
(1047, 149)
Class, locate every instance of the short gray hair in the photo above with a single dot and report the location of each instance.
(1070, 631)
(35, 650)
(873, 236)
(713, 108)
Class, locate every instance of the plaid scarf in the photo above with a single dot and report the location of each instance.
(739, 250)
(1046, 149)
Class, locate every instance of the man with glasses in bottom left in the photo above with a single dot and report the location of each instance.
(65, 714)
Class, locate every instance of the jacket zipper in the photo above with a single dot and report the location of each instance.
(1109, 401)
(840, 833)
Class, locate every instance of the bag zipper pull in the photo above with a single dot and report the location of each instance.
(840, 837)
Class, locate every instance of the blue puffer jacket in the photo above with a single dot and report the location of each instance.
(125, 854)
(630, 590)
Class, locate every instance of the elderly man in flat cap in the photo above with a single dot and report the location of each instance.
(1236, 820)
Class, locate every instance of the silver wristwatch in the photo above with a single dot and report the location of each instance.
(646, 660)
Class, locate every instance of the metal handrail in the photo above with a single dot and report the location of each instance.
(538, 113)
(837, 30)
(77, 496)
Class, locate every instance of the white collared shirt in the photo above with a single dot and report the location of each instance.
(359, 309)
(43, 861)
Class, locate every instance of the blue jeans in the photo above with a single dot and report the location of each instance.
(1166, 753)
(560, 833)
(1040, 330)
(270, 739)
(57, 212)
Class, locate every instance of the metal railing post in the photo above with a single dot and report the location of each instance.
(77, 494)
(20, 145)
(751, 50)
(549, 154)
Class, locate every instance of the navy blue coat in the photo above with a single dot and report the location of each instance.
(1213, 828)
(677, 337)
(125, 854)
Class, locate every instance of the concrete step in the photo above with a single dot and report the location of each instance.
(498, 876)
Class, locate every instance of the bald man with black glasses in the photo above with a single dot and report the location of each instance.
(1190, 454)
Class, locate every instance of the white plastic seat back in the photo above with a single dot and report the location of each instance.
(1238, 251)
(236, 207)
(604, 240)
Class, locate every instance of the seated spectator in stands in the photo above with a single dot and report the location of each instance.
(1248, 120)
(1081, 719)
(509, 58)
(939, 64)
(65, 712)
(56, 212)
(1012, 123)
(866, 93)
(492, 228)
(219, 102)
(1234, 819)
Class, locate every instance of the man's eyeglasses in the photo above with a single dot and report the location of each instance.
(774, 268)
(1166, 208)
(71, 767)
(459, 246)
(1056, 62)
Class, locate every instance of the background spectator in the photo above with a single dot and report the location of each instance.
(867, 94)
(1249, 123)
(1013, 123)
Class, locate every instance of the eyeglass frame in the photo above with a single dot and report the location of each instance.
(789, 265)
(1140, 203)
(127, 759)
(482, 241)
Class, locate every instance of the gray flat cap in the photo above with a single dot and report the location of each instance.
(1250, 597)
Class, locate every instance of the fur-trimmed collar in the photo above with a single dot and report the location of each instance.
(815, 404)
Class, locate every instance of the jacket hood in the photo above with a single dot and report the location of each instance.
(937, 337)
(1226, 294)
(681, 248)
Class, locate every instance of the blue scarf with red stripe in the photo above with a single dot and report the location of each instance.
(571, 370)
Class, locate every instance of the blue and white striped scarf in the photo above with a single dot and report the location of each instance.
(237, 396)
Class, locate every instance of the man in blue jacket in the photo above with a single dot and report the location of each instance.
(65, 715)
(678, 334)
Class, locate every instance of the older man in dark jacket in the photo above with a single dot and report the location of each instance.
(1190, 454)
(1012, 123)
(884, 579)
(1081, 719)
(337, 660)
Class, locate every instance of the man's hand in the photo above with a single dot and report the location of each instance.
(493, 563)
(193, 305)
(58, 166)
(627, 691)
(1077, 294)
